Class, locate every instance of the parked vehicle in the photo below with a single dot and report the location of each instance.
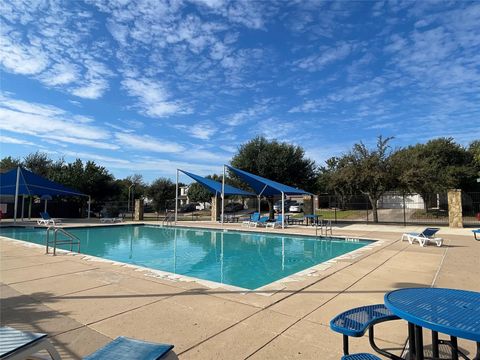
(277, 207)
(188, 208)
(296, 207)
(233, 207)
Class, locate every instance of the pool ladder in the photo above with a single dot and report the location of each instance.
(324, 225)
(169, 219)
(71, 239)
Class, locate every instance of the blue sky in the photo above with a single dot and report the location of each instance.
(149, 86)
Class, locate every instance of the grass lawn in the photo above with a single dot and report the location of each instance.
(341, 214)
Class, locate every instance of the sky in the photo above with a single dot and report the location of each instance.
(151, 86)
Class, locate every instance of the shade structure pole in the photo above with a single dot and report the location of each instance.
(29, 207)
(23, 205)
(89, 205)
(45, 207)
(283, 210)
(223, 194)
(17, 186)
(176, 199)
(258, 200)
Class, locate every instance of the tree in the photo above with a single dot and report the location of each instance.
(161, 191)
(278, 161)
(367, 170)
(9, 163)
(198, 193)
(436, 166)
(338, 177)
(39, 163)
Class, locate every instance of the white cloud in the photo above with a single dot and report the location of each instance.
(202, 131)
(153, 98)
(50, 122)
(11, 140)
(327, 56)
(19, 58)
(147, 143)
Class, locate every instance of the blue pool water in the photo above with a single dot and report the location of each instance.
(243, 259)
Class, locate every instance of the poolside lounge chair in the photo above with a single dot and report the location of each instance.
(127, 348)
(475, 232)
(424, 237)
(261, 222)
(46, 219)
(278, 222)
(16, 344)
(112, 219)
(254, 217)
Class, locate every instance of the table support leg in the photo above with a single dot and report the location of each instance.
(418, 343)
(411, 341)
(345, 345)
(453, 341)
(435, 351)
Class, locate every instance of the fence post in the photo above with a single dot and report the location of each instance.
(366, 203)
(455, 216)
(404, 213)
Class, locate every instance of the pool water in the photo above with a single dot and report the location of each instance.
(243, 259)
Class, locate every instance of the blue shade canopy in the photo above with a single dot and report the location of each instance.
(216, 187)
(266, 187)
(32, 184)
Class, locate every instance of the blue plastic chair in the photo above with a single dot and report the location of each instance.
(355, 322)
(475, 232)
(124, 348)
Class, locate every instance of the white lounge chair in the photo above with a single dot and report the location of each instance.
(278, 222)
(46, 219)
(424, 237)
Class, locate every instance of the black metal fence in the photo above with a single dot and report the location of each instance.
(398, 208)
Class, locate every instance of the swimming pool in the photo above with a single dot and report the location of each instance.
(243, 259)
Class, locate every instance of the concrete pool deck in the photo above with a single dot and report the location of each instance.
(83, 304)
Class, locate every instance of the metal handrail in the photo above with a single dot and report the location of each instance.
(72, 239)
(169, 219)
(327, 226)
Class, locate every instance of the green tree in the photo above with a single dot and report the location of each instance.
(9, 163)
(278, 161)
(39, 163)
(436, 166)
(367, 170)
(161, 191)
(338, 177)
(198, 193)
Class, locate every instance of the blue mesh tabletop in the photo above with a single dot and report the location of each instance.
(448, 311)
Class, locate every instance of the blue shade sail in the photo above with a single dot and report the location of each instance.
(216, 187)
(32, 184)
(266, 187)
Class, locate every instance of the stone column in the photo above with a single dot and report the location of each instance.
(455, 216)
(308, 207)
(138, 215)
(216, 208)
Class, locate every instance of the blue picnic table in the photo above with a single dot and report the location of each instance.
(449, 311)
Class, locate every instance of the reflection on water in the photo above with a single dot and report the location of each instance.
(248, 260)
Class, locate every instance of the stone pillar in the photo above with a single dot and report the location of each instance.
(216, 208)
(138, 215)
(308, 207)
(455, 216)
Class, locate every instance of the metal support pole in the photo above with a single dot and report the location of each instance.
(16, 196)
(258, 200)
(176, 199)
(29, 207)
(283, 210)
(404, 212)
(89, 205)
(223, 196)
(23, 205)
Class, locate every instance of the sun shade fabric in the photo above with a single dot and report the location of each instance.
(266, 187)
(32, 184)
(216, 187)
